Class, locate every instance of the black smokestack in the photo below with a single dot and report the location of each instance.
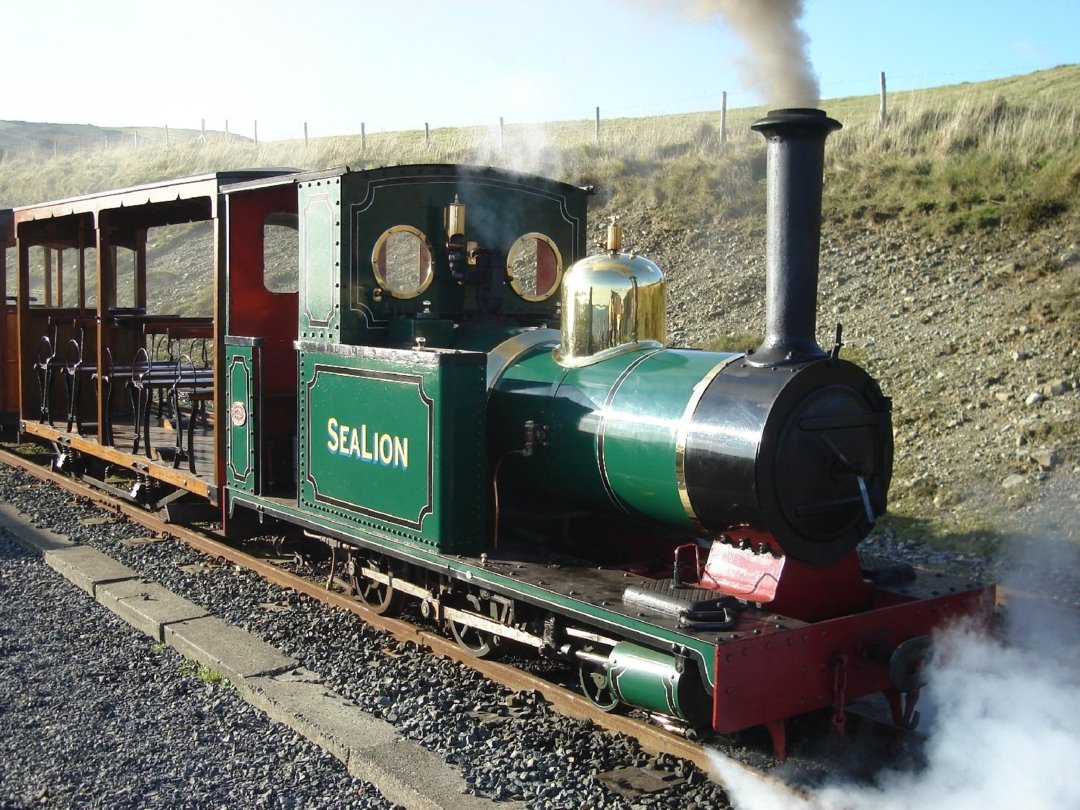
(796, 163)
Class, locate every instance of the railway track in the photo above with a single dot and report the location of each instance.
(653, 739)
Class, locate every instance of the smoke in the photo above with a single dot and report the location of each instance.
(776, 62)
(1005, 731)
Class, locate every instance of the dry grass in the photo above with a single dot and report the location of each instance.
(963, 157)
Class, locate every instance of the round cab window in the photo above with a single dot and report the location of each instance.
(402, 261)
(534, 267)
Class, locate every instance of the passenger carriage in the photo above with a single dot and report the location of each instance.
(110, 372)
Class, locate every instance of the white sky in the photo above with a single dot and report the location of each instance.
(396, 64)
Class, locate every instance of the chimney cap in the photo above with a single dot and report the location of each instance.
(805, 118)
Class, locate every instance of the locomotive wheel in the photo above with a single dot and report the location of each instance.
(594, 683)
(379, 598)
(477, 643)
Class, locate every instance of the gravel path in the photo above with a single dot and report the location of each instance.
(92, 714)
(509, 746)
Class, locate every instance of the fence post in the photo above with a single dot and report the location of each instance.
(884, 112)
(363, 138)
(202, 131)
(106, 143)
(305, 135)
(427, 136)
(256, 133)
(502, 134)
(136, 140)
(166, 136)
(597, 125)
(226, 131)
(723, 117)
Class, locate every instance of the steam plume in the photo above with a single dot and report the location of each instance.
(1005, 731)
(776, 61)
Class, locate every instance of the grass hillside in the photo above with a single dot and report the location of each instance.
(35, 141)
(967, 157)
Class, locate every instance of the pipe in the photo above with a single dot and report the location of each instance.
(796, 161)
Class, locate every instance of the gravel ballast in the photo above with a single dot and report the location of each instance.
(93, 714)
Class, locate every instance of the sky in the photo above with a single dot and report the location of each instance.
(398, 64)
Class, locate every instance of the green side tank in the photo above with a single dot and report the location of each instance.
(622, 422)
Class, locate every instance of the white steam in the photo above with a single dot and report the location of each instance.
(1006, 732)
(521, 148)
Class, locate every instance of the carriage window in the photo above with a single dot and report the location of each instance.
(91, 277)
(534, 267)
(68, 277)
(281, 252)
(401, 261)
(12, 275)
(38, 274)
(180, 269)
(125, 278)
(46, 282)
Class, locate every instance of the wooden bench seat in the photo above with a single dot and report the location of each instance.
(182, 380)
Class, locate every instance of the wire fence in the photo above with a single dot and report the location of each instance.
(149, 139)
(156, 139)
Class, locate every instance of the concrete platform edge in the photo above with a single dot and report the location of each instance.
(29, 536)
(401, 769)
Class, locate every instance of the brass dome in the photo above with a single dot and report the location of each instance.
(611, 303)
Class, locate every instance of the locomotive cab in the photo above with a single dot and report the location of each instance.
(411, 279)
(432, 256)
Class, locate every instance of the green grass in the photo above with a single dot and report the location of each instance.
(738, 342)
(191, 668)
(204, 674)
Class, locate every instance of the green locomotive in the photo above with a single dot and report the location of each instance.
(489, 421)
(477, 415)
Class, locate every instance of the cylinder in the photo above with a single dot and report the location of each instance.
(796, 159)
(658, 682)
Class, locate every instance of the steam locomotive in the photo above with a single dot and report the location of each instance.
(476, 415)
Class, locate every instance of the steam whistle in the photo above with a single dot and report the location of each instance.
(613, 244)
(469, 263)
(454, 224)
